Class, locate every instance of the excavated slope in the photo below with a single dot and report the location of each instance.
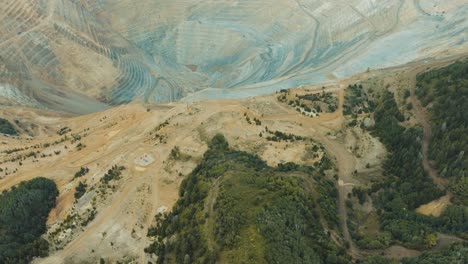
(65, 54)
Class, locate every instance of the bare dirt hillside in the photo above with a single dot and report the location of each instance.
(141, 138)
(129, 151)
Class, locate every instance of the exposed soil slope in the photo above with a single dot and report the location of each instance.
(141, 137)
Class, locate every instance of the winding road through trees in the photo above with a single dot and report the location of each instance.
(421, 117)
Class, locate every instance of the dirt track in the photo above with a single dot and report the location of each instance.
(422, 118)
(131, 208)
(345, 161)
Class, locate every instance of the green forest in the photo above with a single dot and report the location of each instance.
(23, 215)
(455, 254)
(233, 208)
(445, 92)
(407, 185)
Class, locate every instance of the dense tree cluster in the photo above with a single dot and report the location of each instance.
(457, 253)
(113, 173)
(357, 101)
(407, 186)
(63, 131)
(376, 259)
(279, 136)
(411, 186)
(329, 99)
(310, 103)
(445, 91)
(82, 172)
(23, 215)
(7, 128)
(80, 190)
(259, 214)
(327, 201)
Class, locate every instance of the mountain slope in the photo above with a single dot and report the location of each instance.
(235, 209)
(116, 169)
(65, 54)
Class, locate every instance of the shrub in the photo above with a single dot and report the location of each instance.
(7, 128)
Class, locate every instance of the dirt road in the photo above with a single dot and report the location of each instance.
(422, 118)
(345, 161)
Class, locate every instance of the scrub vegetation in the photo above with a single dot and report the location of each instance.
(234, 208)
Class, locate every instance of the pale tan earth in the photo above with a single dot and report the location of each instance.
(80, 55)
(126, 135)
(436, 207)
(121, 136)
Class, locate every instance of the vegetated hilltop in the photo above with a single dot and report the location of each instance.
(233, 208)
(340, 166)
(78, 56)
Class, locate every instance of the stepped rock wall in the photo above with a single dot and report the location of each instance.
(119, 50)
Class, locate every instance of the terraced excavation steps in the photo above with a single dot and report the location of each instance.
(161, 51)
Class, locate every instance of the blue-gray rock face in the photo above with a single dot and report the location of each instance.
(53, 52)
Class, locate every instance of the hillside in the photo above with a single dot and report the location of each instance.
(235, 209)
(347, 154)
(81, 56)
(111, 217)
